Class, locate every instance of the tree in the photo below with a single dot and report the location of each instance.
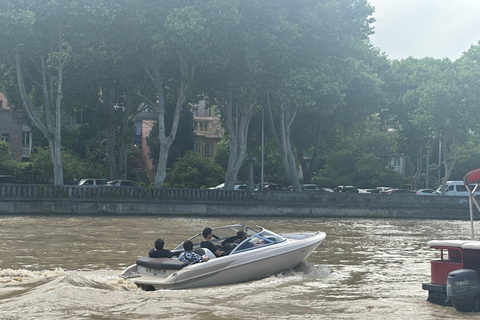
(441, 109)
(403, 79)
(170, 39)
(184, 140)
(36, 42)
(310, 64)
(108, 73)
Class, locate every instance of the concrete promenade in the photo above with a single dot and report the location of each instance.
(58, 200)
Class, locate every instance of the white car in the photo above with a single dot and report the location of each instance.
(92, 182)
(123, 183)
(426, 192)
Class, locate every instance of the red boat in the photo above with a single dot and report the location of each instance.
(455, 279)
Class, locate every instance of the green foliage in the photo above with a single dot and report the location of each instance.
(192, 171)
(314, 56)
(184, 140)
(361, 159)
(39, 169)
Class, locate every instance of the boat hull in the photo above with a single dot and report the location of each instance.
(245, 266)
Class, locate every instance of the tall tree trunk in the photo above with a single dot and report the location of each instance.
(238, 128)
(309, 168)
(186, 76)
(107, 104)
(281, 136)
(51, 87)
(449, 157)
(419, 167)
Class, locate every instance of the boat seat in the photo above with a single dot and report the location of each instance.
(161, 263)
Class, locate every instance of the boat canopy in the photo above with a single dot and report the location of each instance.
(472, 177)
(447, 243)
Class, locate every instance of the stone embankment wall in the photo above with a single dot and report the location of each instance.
(47, 199)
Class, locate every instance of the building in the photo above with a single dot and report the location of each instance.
(207, 130)
(207, 134)
(15, 131)
(144, 122)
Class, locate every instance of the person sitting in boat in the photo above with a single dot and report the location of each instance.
(159, 251)
(207, 235)
(242, 235)
(189, 256)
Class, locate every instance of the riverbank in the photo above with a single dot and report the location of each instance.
(51, 200)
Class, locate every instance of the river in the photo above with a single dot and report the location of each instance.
(67, 267)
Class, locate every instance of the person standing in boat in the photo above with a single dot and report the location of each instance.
(207, 235)
(189, 256)
(159, 251)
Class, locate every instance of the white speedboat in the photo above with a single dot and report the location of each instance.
(262, 253)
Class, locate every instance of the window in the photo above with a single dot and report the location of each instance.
(397, 162)
(198, 147)
(5, 137)
(201, 126)
(25, 139)
(209, 148)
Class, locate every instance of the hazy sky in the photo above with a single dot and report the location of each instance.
(421, 28)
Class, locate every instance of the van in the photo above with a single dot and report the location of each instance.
(456, 188)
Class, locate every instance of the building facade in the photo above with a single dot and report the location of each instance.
(207, 134)
(207, 130)
(15, 131)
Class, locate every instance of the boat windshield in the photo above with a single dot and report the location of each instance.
(258, 240)
(221, 235)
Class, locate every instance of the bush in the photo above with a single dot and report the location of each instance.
(192, 171)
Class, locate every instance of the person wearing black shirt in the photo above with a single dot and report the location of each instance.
(207, 235)
(159, 251)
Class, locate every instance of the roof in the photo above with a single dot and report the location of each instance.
(3, 105)
(210, 135)
(473, 176)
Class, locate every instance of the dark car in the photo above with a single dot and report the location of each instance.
(273, 187)
(9, 179)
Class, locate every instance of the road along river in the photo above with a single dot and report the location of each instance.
(67, 268)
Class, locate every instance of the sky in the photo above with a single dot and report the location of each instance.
(426, 28)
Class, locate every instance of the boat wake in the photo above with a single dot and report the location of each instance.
(311, 271)
(101, 282)
(20, 281)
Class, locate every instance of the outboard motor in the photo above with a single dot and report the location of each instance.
(463, 290)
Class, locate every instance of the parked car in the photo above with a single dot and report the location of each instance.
(273, 187)
(380, 189)
(456, 188)
(240, 187)
(314, 187)
(123, 183)
(9, 179)
(92, 182)
(426, 192)
(399, 191)
(346, 189)
(218, 187)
